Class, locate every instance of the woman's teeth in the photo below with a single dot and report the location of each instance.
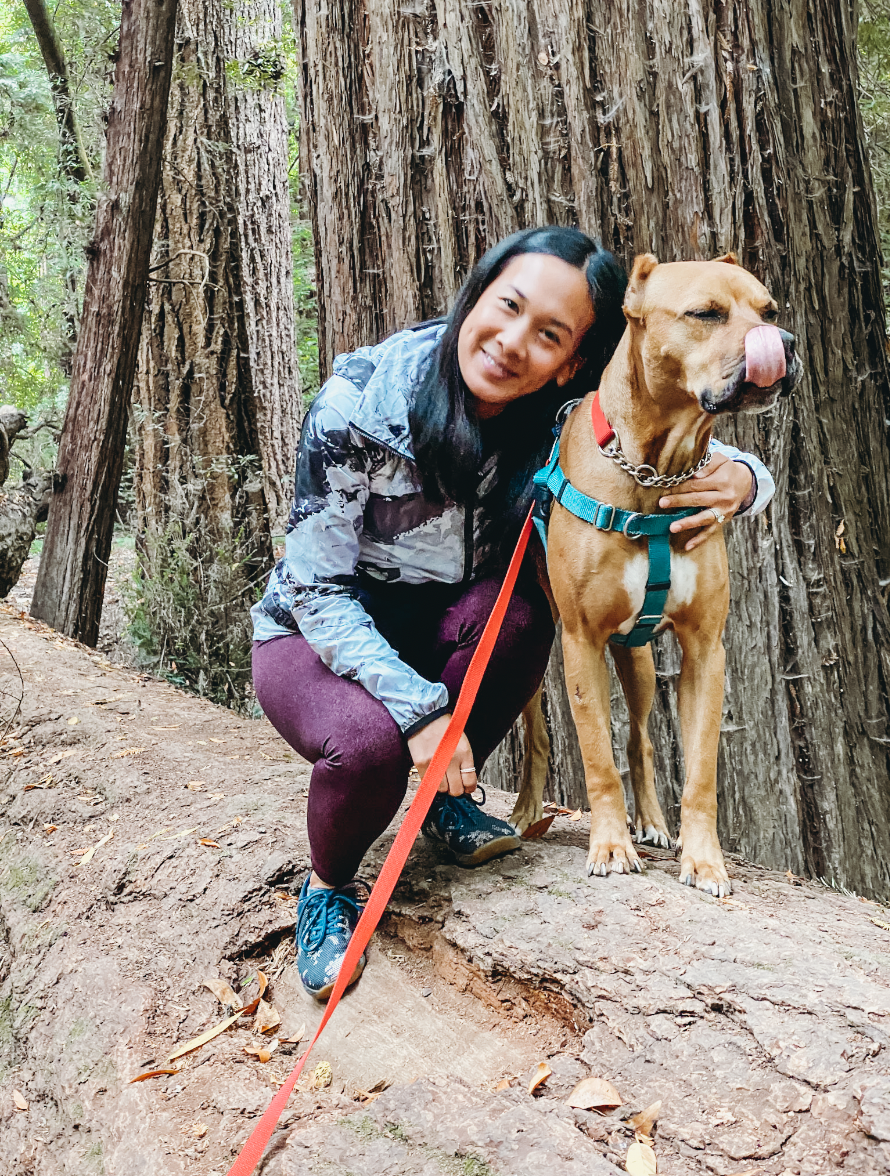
(494, 367)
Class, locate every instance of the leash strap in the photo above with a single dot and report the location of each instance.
(253, 1149)
(602, 430)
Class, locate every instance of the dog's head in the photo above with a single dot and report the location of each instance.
(709, 329)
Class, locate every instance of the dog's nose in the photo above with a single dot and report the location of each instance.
(787, 339)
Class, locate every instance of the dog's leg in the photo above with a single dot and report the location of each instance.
(701, 705)
(587, 681)
(529, 807)
(636, 671)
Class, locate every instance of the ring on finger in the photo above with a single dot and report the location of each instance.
(467, 771)
(721, 518)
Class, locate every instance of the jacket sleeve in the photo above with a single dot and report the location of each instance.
(766, 487)
(318, 572)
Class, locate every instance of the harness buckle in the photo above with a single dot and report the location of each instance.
(630, 518)
(601, 511)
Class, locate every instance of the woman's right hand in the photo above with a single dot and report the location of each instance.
(422, 748)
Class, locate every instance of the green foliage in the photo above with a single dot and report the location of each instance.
(45, 218)
(874, 101)
(188, 609)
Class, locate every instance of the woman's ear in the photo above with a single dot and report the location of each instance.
(568, 371)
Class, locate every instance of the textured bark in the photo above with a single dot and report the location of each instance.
(217, 403)
(433, 129)
(71, 579)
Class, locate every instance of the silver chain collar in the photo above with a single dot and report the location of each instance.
(615, 453)
(652, 477)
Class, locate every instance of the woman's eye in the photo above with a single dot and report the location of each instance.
(550, 336)
(710, 315)
(510, 304)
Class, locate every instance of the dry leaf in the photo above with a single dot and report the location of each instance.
(295, 1038)
(504, 1084)
(73, 721)
(199, 1130)
(49, 829)
(262, 1051)
(127, 751)
(262, 981)
(223, 992)
(322, 1076)
(203, 1038)
(88, 856)
(62, 755)
(838, 540)
(640, 1160)
(879, 923)
(539, 828)
(576, 815)
(645, 1120)
(207, 841)
(151, 1074)
(267, 1017)
(212, 740)
(594, 1092)
(20, 1101)
(195, 785)
(542, 1073)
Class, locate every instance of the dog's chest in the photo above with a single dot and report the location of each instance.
(684, 577)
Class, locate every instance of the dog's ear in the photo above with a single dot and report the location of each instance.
(643, 266)
(729, 258)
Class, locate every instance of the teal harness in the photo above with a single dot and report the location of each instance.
(551, 483)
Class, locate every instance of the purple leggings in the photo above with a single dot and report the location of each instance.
(361, 758)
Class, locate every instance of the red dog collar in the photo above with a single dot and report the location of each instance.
(601, 427)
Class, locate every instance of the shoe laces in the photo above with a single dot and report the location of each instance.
(453, 814)
(324, 911)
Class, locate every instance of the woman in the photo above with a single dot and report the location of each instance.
(413, 477)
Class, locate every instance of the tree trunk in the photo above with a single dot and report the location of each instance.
(217, 404)
(71, 579)
(433, 129)
(72, 154)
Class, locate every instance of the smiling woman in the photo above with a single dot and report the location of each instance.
(414, 473)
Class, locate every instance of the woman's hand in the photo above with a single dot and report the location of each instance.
(724, 484)
(422, 748)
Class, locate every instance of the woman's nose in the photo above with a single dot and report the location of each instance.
(513, 338)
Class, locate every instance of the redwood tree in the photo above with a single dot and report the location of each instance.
(73, 566)
(433, 129)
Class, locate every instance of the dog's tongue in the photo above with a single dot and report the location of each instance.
(764, 356)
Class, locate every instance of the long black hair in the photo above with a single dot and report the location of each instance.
(446, 432)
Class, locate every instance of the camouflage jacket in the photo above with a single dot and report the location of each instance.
(359, 511)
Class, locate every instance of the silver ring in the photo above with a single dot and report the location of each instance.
(721, 518)
(467, 771)
(630, 518)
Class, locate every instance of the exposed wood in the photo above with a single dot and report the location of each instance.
(73, 567)
(434, 128)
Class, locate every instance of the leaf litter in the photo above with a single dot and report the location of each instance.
(594, 1094)
(539, 1077)
(640, 1160)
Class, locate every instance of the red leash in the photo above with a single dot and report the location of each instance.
(252, 1151)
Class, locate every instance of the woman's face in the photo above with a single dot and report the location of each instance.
(524, 331)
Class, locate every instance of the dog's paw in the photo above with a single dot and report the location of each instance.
(712, 878)
(650, 835)
(525, 814)
(612, 856)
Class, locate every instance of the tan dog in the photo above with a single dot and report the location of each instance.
(682, 359)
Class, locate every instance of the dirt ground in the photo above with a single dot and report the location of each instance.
(150, 841)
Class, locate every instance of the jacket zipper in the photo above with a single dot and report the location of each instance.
(469, 538)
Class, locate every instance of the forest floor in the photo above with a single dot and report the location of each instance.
(760, 1022)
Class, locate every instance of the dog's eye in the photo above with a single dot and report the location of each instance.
(709, 315)
(769, 315)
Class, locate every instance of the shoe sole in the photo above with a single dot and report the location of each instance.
(323, 994)
(485, 853)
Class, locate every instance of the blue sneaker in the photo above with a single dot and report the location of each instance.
(472, 836)
(326, 920)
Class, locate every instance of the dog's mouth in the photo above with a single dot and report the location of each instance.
(740, 395)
